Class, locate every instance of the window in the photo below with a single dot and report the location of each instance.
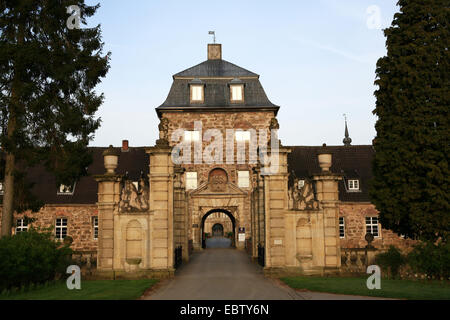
(372, 226)
(191, 180)
(64, 190)
(197, 93)
(95, 227)
(2, 190)
(353, 185)
(192, 136)
(242, 136)
(21, 226)
(301, 184)
(237, 93)
(243, 179)
(61, 228)
(341, 227)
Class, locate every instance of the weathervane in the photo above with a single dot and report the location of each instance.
(213, 33)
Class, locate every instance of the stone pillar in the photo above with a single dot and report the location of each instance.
(161, 207)
(276, 206)
(108, 199)
(180, 213)
(326, 248)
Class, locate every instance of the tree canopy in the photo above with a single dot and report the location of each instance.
(411, 184)
(48, 75)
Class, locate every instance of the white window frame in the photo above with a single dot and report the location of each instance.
(2, 190)
(197, 93)
(244, 179)
(60, 226)
(61, 192)
(371, 226)
(300, 184)
(21, 226)
(237, 93)
(192, 136)
(353, 185)
(342, 227)
(191, 180)
(242, 136)
(95, 227)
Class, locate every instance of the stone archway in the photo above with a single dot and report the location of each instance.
(233, 221)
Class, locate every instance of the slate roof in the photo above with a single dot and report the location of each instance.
(214, 69)
(86, 189)
(216, 75)
(353, 162)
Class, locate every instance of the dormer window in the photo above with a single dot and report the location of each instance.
(237, 93)
(65, 190)
(197, 91)
(353, 185)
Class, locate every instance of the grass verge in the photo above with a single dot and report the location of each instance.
(90, 290)
(397, 289)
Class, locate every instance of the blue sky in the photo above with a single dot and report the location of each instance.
(316, 59)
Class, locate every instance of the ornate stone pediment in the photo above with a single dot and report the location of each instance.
(211, 189)
(134, 199)
(303, 198)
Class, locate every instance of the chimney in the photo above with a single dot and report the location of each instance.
(125, 147)
(214, 51)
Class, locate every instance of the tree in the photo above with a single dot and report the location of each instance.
(411, 175)
(48, 73)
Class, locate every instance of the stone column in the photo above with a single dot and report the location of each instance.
(161, 207)
(180, 213)
(326, 248)
(276, 206)
(108, 199)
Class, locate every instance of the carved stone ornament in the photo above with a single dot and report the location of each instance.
(163, 132)
(303, 198)
(218, 180)
(134, 199)
(274, 125)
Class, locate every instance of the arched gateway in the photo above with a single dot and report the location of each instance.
(218, 229)
(147, 227)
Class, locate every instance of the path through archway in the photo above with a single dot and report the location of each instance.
(219, 228)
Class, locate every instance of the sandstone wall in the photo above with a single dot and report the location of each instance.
(355, 228)
(79, 223)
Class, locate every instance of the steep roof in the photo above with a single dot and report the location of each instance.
(217, 96)
(215, 68)
(134, 161)
(353, 162)
(216, 75)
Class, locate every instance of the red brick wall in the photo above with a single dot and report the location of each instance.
(79, 223)
(355, 228)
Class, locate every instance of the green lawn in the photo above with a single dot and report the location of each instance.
(90, 290)
(399, 289)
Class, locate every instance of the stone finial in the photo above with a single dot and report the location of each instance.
(274, 125)
(111, 160)
(163, 133)
(325, 159)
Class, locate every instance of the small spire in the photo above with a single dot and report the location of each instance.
(347, 140)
